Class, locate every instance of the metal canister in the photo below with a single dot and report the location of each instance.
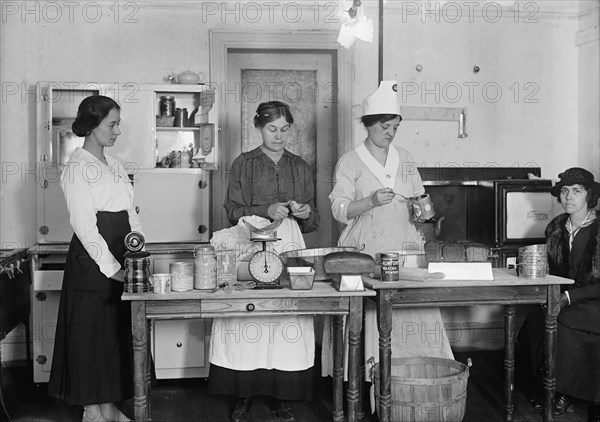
(167, 105)
(182, 276)
(137, 272)
(390, 266)
(423, 207)
(205, 267)
(181, 117)
(137, 264)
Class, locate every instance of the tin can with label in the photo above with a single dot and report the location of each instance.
(423, 207)
(226, 267)
(182, 276)
(390, 266)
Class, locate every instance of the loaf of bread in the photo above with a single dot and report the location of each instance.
(348, 263)
(455, 251)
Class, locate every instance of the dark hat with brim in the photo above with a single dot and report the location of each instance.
(575, 176)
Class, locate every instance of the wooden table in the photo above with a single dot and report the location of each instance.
(506, 289)
(322, 299)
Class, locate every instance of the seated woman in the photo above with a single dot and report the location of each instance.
(573, 240)
(272, 183)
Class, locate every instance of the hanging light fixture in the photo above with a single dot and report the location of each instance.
(355, 25)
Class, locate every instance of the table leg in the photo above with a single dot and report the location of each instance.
(509, 362)
(354, 358)
(338, 368)
(384, 324)
(552, 310)
(139, 330)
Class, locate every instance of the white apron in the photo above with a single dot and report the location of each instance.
(285, 343)
(416, 331)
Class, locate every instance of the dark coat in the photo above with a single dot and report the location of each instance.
(578, 337)
(584, 312)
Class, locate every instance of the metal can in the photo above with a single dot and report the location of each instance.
(390, 266)
(182, 276)
(137, 272)
(423, 207)
(167, 105)
(205, 267)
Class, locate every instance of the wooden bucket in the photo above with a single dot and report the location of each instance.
(426, 389)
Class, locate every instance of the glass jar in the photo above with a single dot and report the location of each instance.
(167, 106)
(137, 273)
(205, 267)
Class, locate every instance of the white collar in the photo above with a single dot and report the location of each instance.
(385, 174)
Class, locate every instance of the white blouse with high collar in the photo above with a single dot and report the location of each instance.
(90, 186)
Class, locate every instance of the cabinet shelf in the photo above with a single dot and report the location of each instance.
(177, 129)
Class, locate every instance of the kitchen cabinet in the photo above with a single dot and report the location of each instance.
(173, 203)
(179, 346)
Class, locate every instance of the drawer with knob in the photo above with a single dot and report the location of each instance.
(301, 305)
(180, 348)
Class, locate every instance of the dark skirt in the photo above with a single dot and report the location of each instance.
(93, 359)
(578, 364)
(281, 385)
(577, 358)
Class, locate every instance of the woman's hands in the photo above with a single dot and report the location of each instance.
(119, 276)
(300, 211)
(382, 197)
(564, 300)
(378, 198)
(278, 210)
(281, 210)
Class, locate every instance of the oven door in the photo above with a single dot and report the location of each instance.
(523, 210)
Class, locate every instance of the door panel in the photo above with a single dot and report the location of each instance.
(172, 208)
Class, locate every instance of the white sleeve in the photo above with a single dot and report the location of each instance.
(82, 217)
(344, 190)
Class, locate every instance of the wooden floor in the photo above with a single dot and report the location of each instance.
(187, 400)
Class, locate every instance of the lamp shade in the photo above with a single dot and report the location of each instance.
(383, 101)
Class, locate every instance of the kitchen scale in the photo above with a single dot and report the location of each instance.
(266, 267)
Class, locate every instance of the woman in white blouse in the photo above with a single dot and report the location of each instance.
(92, 362)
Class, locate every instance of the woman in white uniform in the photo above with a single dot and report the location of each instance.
(365, 198)
(268, 356)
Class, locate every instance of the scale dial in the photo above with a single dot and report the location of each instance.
(265, 267)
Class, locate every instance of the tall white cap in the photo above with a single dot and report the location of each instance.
(383, 101)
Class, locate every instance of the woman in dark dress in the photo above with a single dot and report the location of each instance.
(573, 241)
(270, 182)
(92, 362)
